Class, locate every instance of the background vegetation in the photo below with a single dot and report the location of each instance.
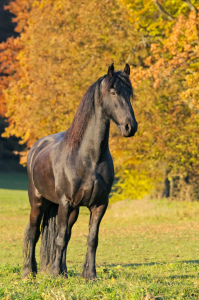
(154, 251)
(60, 49)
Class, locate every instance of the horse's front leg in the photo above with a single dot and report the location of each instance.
(61, 240)
(89, 270)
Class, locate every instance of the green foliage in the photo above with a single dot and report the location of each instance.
(156, 18)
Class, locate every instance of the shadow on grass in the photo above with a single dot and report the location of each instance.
(14, 181)
(151, 263)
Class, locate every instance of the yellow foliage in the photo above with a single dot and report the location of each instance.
(134, 184)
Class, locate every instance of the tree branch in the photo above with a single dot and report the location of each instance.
(190, 5)
(161, 9)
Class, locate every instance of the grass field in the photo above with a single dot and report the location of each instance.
(147, 250)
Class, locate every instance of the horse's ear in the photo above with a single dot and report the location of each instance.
(111, 70)
(127, 69)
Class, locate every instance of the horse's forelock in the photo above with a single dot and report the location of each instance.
(109, 81)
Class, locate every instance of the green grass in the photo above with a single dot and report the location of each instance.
(147, 250)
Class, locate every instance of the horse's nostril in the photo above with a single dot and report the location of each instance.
(127, 127)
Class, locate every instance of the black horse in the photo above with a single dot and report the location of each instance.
(75, 168)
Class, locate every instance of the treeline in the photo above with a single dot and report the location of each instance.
(63, 48)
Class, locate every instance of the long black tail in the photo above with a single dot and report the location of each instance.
(49, 233)
(26, 243)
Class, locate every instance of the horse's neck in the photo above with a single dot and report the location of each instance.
(95, 140)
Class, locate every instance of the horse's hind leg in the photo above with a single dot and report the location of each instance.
(32, 232)
(73, 215)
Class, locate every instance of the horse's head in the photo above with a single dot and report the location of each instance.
(116, 91)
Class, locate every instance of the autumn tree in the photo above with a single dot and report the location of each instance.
(9, 50)
(9, 69)
(165, 77)
(64, 51)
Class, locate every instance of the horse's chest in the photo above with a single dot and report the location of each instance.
(90, 192)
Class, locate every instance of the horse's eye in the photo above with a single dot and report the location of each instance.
(113, 93)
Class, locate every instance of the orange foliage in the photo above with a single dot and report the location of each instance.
(64, 51)
(8, 66)
(9, 50)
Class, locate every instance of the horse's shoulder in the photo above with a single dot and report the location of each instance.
(43, 143)
(49, 139)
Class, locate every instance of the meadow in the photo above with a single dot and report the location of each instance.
(148, 249)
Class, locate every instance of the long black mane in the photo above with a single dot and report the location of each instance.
(82, 116)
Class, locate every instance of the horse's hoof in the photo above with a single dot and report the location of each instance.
(27, 272)
(65, 275)
(63, 271)
(88, 275)
(54, 271)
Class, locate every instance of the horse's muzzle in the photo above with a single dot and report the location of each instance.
(128, 129)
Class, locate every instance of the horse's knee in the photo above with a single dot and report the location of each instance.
(34, 234)
(60, 241)
(92, 241)
(35, 218)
